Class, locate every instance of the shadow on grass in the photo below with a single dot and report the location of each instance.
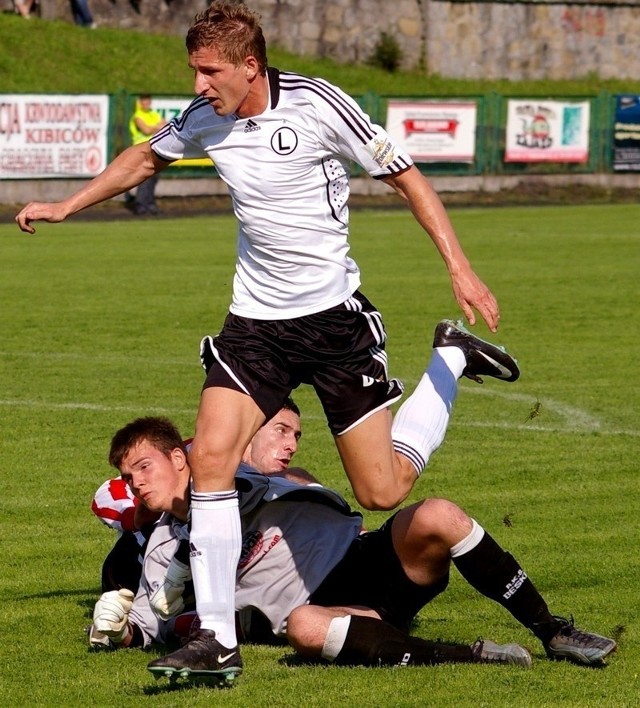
(295, 660)
(172, 686)
(92, 592)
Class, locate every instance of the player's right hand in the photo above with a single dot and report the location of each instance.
(167, 600)
(111, 614)
(39, 211)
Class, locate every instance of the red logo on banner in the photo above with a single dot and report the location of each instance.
(430, 125)
(93, 159)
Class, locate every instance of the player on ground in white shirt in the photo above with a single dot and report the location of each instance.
(270, 452)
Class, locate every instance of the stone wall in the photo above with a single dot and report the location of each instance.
(160, 16)
(533, 41)
(524, 39)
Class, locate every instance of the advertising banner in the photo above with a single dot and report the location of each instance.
(626, 134)
(53, 136)
(434, 131)
(547, 131)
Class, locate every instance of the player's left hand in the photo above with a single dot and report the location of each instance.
(471, 293)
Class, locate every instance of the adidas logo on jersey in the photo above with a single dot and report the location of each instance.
(251, 126)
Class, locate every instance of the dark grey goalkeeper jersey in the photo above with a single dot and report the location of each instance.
(292, 536)
(287, 170)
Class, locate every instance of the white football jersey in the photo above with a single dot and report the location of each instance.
(287, 170)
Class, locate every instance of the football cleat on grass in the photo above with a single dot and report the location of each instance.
(487, 652)
(580, 647)
(202, 657)
(483, 358)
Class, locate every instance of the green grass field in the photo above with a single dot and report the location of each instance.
(101, 322)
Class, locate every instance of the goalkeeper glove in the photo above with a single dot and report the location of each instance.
(111, 614)
(167, 600)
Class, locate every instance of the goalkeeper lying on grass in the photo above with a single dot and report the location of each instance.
(312, 576)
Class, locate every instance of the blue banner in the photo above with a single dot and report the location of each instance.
(626, 134)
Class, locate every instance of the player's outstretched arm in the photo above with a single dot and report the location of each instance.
(132, 167)
(470, 292)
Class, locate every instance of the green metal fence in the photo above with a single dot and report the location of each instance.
(490, 135)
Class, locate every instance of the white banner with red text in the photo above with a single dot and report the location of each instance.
(53, 136)
(434, 131)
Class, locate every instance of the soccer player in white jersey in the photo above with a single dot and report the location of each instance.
(283, 144)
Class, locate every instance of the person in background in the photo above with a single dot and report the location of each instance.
(144, 123)
(82, 14)
(24, 8)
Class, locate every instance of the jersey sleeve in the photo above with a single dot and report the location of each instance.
(349, 131)
(114, 504)
(178, 139)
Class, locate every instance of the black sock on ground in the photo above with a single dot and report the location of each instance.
(371, 642)
(497, 575)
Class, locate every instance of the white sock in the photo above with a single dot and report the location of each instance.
(215, 540)
(469, 542)
(336, 635)
(421, 422)
(454, 358)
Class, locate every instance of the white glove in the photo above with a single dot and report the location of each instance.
(167, 600)
(111, 614)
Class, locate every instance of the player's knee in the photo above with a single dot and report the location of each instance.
(209, 464)
(443, 519)
(301, 632)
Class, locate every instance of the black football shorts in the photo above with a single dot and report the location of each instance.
(340, 352)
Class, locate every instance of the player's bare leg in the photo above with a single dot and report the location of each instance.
(379, 476)
(423, 535)
(383, 459)
(227, 420)
(350, 636)
(382, 456)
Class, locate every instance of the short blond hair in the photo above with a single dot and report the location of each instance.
(233, 30)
